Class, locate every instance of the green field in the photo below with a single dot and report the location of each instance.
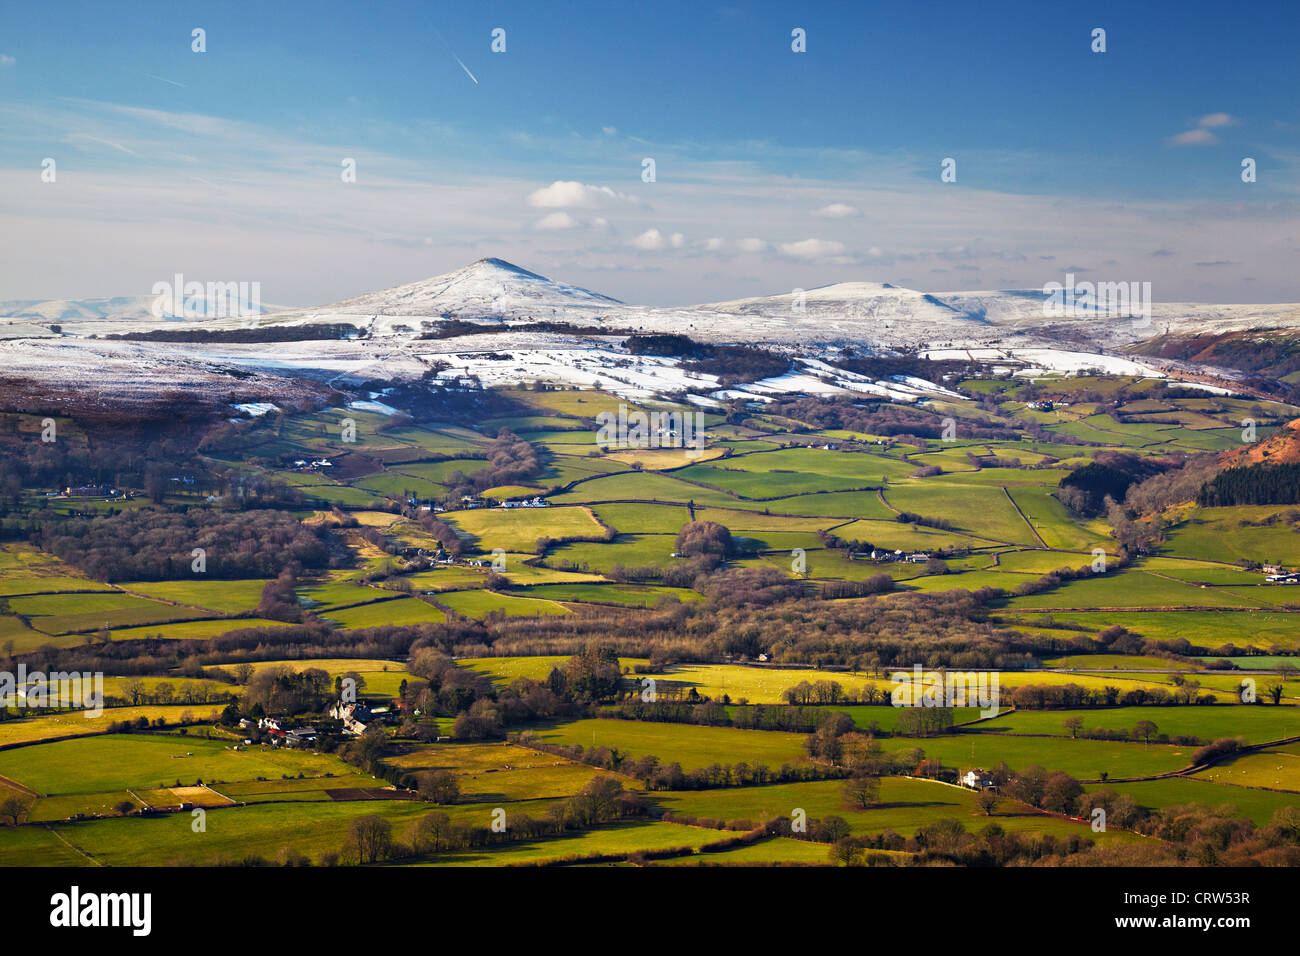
(119, 761)
(690, 745)
(1256, 723)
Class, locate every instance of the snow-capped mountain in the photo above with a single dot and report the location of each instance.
(64, 310)
(489, 290)
(396, 336)
(114, 308)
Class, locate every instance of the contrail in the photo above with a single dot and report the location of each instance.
(165, 80)
(465, 68)
(455, 57)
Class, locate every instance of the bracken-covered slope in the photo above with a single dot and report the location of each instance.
(1280, 448)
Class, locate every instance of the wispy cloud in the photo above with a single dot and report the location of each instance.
(275, 209)
(838, 210)
(1201, 135)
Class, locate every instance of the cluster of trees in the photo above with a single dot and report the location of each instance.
(283, 691)
(732, 364)
(946, 842)
(1262, 484)
(150, 545)
(136, 692)
(1073, 696)
(950, 629)
(792, 719)
(371, 840)
(749, 587)
(881, 418)
(654, 774)
(256, 334)
(445, 535)
(510, 461)
(1109, 475)
(592, 675)
(876, 584)
(279, 600)
(705, 538)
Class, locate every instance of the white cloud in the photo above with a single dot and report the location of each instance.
(1194, 137)
(6, 60)
(650, 240)
(677, 240)
(609, 130)
(562, 193)
(812, 248)
(751, 245)
(714, 245)
(1210, 120)
(555, 221)
(838, 210)
(1201, 135)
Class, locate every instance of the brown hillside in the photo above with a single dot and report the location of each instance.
(1280, 448)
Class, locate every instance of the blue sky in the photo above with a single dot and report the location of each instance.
(774, 169)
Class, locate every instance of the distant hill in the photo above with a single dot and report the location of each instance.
(1280, 448)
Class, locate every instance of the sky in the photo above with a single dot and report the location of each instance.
(773, 168)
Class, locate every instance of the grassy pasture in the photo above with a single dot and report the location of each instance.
(978, 509)
(24, 638)
(690, 745)
(768, 484)
(304, 789)
(905, 537)
(120, 761)
(24, 729)
(36, 846)
(631, 550)
(500, 772)
(1211, 629)
(479, 604)
(642, 486)
(396, 612)
(634, 518)
(193, 630)
(1267, 769)
(1222, 534)
(840, 505)
(1055, 525)
(757, 685)
(1258, 805)
(1128, 588)
(220, 597)
(264, 828)
(858, 467)
(518, 529)
(1255, 723)
(1122, 662)
(1083, 759)
(64, 613)
(623, 837)
(904, 806)
(627, 595)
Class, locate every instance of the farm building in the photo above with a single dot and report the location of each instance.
(977, 779)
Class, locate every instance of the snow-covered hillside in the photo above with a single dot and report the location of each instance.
(488, 290)
(133, 308)
(1008, 327)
